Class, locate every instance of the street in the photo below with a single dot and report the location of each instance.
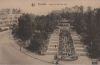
(9, 53)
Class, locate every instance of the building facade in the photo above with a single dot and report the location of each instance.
(8, 17)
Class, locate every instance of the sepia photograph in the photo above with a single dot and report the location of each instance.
(49, 32)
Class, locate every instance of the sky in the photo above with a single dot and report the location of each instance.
(42, 7)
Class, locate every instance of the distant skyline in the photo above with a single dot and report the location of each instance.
(26, 5)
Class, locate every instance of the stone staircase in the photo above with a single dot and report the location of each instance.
(53, 43)
(79, 47)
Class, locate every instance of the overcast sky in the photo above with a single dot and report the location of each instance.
(25, 5)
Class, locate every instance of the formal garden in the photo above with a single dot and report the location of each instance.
(33, 31)
(66, 46)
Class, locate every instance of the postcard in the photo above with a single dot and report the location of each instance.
(49, 32)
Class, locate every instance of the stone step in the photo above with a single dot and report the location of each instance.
(78, 45)
(53, 45)
(54, 34)
(51, 52)
(74, 33)
(77, 42)
(80, 49)
(54, 42)
(75, 38)
(82, 53)
(52, 49)
(54, 39)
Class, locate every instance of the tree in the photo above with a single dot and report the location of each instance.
(92, 32)
(24, 30)
(78, 19)
(97, 31)
(43, 26)
(25, 27)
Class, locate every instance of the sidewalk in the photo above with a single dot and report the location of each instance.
(83, 60)
(44, 58)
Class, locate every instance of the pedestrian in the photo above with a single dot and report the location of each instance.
(56, 59)
(55, 46)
